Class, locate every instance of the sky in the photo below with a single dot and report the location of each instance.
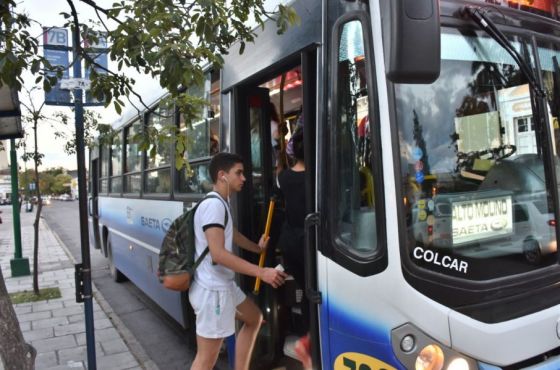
(47, 13)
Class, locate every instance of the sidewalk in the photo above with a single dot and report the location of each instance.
(56, 327)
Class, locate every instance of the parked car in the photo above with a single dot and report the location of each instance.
(534, 221)
(66, 197)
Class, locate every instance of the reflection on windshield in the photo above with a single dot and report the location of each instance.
(549, 57)
(471, 163)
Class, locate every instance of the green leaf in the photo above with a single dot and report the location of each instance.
(179, 162)
(35, 65)
(117, 106)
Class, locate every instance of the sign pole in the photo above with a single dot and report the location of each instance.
(18, 264)
(85, 267)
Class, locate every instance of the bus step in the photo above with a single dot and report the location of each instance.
(289, 346)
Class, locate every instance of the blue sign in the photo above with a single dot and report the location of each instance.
(419, 177)
(57, 96)
(55, 48)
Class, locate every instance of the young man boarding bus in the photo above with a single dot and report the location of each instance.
(215, 297)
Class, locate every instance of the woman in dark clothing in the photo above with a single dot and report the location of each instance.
(292, 186)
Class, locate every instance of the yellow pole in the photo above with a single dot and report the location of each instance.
(266, 234)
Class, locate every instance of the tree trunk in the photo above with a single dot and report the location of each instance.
(15, 354)
(37, 218)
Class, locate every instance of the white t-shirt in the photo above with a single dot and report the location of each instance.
(211, 213)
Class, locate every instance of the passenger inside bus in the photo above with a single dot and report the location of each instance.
(280, 162)
(291, 183)
(274, 133)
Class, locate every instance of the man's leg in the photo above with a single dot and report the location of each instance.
(207, 353)
(251, 317)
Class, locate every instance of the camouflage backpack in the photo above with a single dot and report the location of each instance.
(176, 256)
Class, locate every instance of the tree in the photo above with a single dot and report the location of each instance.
(33, 117)
(51, 181)
(25, 180)
(15, 354)
(61, 184)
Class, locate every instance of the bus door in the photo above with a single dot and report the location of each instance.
(93, 207)
(267, 119)
(351, 230)
(253, 142)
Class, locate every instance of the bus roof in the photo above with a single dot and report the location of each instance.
(150, 98)
(270, 48)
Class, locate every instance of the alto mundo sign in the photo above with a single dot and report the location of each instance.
(477, 219)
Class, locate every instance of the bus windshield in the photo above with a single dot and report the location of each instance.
(474, 187)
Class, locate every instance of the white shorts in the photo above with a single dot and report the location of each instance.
(215, 310)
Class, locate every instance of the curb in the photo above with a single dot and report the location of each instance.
(133, 345)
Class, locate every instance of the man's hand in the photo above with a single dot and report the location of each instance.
(263, 243)
(272, 276)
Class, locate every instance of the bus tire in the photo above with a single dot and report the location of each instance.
(532, 251)
(115, 273)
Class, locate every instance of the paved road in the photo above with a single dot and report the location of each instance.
(162, 339)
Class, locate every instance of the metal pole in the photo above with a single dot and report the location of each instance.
(82, 196)
(18, 265)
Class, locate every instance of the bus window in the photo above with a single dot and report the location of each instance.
(158, 181)
(549, 55)
(133, 163)
(354, 223)
(202, 138)
(116, 165)
(104, 182)
(158, 175)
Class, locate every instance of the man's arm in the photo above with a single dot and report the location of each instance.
(216, 241)
(243, 242)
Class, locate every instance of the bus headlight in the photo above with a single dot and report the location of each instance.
(416, 350)
(430, 357)
(458, 364)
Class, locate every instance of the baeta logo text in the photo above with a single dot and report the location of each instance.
(154, 223)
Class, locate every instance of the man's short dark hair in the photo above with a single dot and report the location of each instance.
(223, 162)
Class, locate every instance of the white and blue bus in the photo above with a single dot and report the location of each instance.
(431, 137)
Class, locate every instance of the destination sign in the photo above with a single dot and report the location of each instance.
(478, 219)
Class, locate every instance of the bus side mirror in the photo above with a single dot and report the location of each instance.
(413, 50)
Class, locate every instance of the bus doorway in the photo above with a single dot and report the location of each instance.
(269, 114)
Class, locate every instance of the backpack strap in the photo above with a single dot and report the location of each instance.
(206, 250)
(221, 200)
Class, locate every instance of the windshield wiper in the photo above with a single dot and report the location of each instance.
(488, 25)
(490, 28)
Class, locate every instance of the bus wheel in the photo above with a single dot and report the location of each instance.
(116, 275)
(532, 251)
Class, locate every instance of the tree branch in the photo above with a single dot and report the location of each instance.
(102, 10)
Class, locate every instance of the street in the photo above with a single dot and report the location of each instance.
(163, 340)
